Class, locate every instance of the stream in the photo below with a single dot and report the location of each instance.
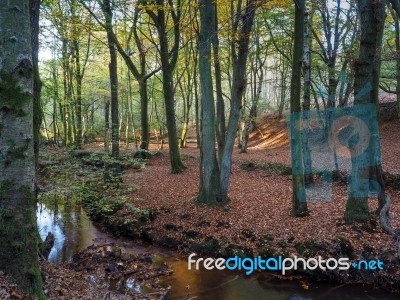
(74, 232)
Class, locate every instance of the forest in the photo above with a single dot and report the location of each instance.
(209, 149)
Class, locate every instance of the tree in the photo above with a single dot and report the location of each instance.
(257, 63)
(212, 189)
(37, 84)
(367, 73)
(140, 73)
(18, 228)
(299, 204)
(395, 12)
(209, 172)
(239, 50)
(168, 58)
(108, 14)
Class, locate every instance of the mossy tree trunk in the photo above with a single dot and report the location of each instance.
(367, 71)
(18, 228)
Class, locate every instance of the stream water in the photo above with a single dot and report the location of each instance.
(74, 232)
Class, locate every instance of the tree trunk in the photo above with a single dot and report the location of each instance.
(55, 100)
(37, 84)
(168, 59)
(113, 80)
(107, 125)
(367, 71)
(253, 110)
(196, 101)
(209, 180)
(220, 129)
(397, 37)
(78, 74)
(299, 204)
(18, 228)
(238, 88)
(144, 118)
(308, 177)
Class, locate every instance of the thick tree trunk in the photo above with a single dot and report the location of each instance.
(18, 228)
(209, 180)
(299, 204)
(367, 70)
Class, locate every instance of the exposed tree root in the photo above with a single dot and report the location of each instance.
(385, 223)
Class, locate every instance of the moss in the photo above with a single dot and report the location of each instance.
(210, 246)
(13, 98)
(277, 168)
(19, 237)
(284, 253)
(171, 227)
(192, 234)
(237, 250)
(15, 153)
(357, 210)
(307, 249)
(266, 238)
(270, 167)
(282, 244)
(248, 166)
(249, 234)
(266, 251)
(346, 248)
(5, 186)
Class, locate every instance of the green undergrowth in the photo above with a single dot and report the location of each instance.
(94, 180)
(269, 167)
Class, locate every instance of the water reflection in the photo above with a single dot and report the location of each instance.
(226, 285)
(71, 227)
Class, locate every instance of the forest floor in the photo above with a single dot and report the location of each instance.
(256, 221)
